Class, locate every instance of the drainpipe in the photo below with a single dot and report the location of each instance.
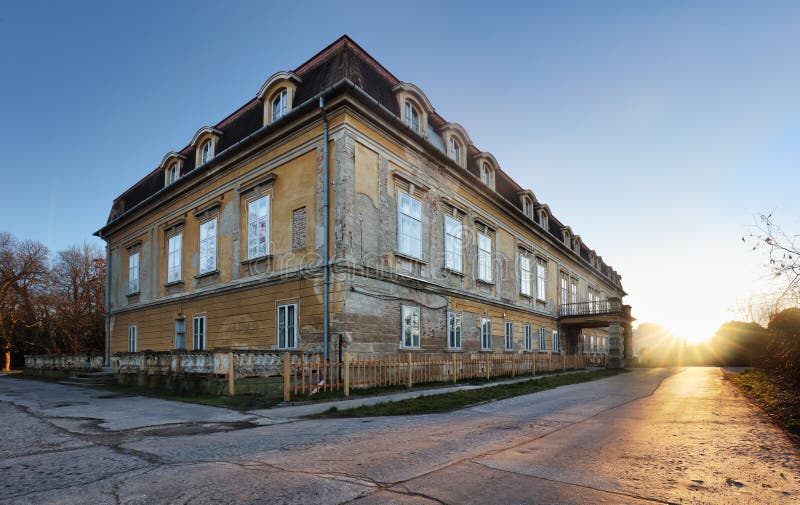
(325, 213)
(107, 356)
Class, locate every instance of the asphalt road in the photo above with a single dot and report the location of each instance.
(649, 436)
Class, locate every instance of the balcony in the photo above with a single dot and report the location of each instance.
(584, 309)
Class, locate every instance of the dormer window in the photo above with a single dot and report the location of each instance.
(486, 174)
(206, 152)
(411, 116)
(279, 105)
(527, 206)
(543, 219)
(173, 172)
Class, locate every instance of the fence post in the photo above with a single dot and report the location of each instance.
(455, 368)
(513, 364)
(563, 362)
(347, 374)
(287, 379)
(410, 378)
(231, 376)
(488, 367)
(550, 362)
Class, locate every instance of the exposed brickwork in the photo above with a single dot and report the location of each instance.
(299, 229)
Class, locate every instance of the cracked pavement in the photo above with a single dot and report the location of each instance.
(649, 436)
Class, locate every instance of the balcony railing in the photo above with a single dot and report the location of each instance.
(590, 308)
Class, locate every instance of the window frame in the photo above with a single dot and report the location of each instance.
(414, 115)
(253, 226)
(133, 338)
(527, 342)
(525, 275)
(173, 173)
(555, 345)
(211, 244)
(199, 332)
(453, 244)
(282, 341)
(508, 336)
(485, 268)
(281, 98)
(406, 220)
(133, 272)
(175, 341)
(455, 326)
(415, 341)
(542, 337)
(541, 279)
(486, 174)
(486, 333)
(454, 150)
(206, 151)
(175, 258)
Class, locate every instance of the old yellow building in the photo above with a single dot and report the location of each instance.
(338, 210)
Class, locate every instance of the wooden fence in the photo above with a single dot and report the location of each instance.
(304, 375)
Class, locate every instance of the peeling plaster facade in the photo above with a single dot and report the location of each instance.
(373, 155)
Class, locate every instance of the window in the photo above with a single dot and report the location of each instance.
(541, 279)
(412, 117)
(173, 172)
(199, 332)
(279, 105)
(509, 336)
(206, 152)
(409, 225)
(131, 338)
(455, 150)
(486, 174)
(133, 273)
(563, 289)
(542, 340)
(180, 334)
(527, 207)
(527, 342)
(258, 227)
(453, 329)
(410, 322)
(486, 334)
(208, 246)
(453, 244)
(175, 246)
(525, 277)
(287, 326)
(484, 257)
(556, 344)
(573, 290)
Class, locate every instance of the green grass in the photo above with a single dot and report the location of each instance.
(780, 402)
(447, 402)
(238, 402)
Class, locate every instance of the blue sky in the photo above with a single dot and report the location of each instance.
(657, 130)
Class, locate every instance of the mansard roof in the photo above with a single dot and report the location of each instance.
(343, 59)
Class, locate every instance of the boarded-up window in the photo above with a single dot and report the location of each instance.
(299, 229)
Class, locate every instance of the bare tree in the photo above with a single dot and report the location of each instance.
(23, 278)
(784, 255)
(78, 287)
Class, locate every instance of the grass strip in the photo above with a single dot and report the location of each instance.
(779, 401)
(447, 402)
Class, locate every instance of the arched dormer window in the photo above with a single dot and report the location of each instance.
(527, 206)
(172, 163)
(456, 140)
(277, 95)
(566, 234)
(205, 145)
(487, 168)
(544, 217)
(413, 107)
(279, 104)
(411, 116)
